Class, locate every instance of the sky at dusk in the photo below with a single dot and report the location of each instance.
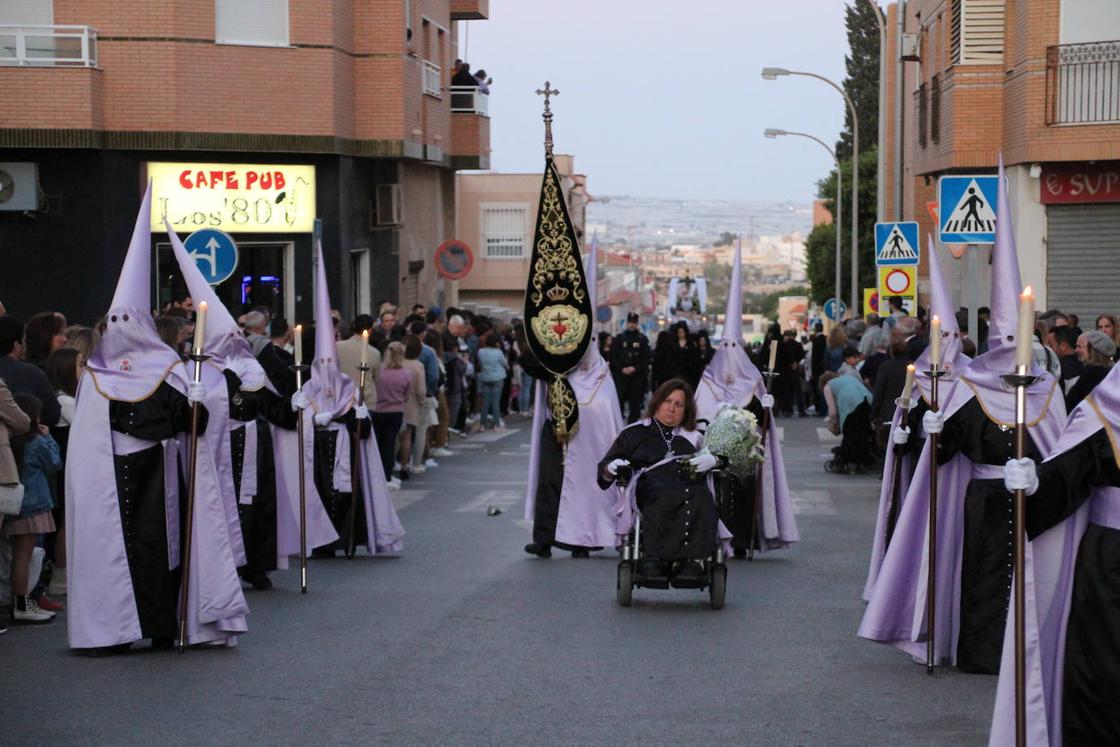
(663, 98)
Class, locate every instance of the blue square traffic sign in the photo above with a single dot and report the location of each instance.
(967, 209)
(897, 244)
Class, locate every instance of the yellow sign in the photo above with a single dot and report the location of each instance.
(870, 301)
(233, 197)
(899, 280)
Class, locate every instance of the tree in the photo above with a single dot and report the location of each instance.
(766, 304)
(726, 239)
(862, 82)
(820, 246)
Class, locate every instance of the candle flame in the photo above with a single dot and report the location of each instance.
(911, 367)
(936, 318)
(202, 305)
(365, 334)
(299, 328)
(1027, 291)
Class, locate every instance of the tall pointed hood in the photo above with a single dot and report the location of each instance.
(131, 360)
(329, 389)
(1007, 284)
(225, 343)
(730, 376)
(941, 306)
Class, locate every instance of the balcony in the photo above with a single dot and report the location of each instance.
(48, 46)
(1083, 83)
(430, 80)
(470, 10)
(469, 100)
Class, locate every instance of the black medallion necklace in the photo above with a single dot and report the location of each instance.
(666, 437)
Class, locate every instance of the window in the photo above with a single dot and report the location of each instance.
(359, 278)
(923, 114)
(260, 23)
(935, 109)
(27, 13)
(503, 229)
(977, 35)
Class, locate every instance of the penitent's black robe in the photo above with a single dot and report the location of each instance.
(141, 496)
(737, 509)
(679, 515)
(988, 535)
(1092, 654)
(337, 502)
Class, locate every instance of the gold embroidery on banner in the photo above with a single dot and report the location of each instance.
(562, 404)
(559, 328)
(557, 261)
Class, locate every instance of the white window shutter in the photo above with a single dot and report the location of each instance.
(27, 12)
(252, 22)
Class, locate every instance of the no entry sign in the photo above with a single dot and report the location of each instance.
(454, 260)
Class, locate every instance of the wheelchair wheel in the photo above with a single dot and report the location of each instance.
(717, 590)
(625, 583)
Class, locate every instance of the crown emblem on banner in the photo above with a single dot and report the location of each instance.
(557, 293)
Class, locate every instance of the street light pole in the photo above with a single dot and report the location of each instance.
(773, 133)
(772, 73)
(881, 175)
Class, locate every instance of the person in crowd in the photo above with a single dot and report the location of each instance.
(897, 311)
(1095, 351)
(891, 375)
(630, 358)
(22, 376)
(849, 416)
(82, 339)
(484, 81)
(850, 366)
(455, 362)
(38, 458)
(606, 344)
(1063, 342)
(428, 417)
(463, 77)
(394, 390)
(64, 369)
(788, 384)
(704, 345)
(684, 358)
(14, 424)
(350, 358)
(1106, 323)
(1073, 592)
(492, 372)
(414, 405)
(817, 365)
(43, 334)
(873, 348)
(680, 521)
(659, 361)
(438, 438)
(834, 351)
(976, 420)
(280, 335)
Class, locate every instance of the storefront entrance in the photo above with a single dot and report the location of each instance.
(264, 278)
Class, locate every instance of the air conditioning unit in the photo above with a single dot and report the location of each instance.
(385, 210)
(910, 49)
(19, 186)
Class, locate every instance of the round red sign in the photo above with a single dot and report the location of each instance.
(454, 260)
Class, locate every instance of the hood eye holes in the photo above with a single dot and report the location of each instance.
(113, 318)
(124, 318)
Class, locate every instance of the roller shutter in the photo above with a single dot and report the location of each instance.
(1083, 259)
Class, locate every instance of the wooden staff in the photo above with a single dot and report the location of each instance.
(198, 357)
(301, 368)
(355, 452)
(904, 403)
(935, 373)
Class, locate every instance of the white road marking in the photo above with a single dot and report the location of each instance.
(405, 498)
(824, 435)
(489, 437)
(812, 502)
(503, 499)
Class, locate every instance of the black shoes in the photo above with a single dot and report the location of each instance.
(538, 549)
(688, 570)
(740, 553)
(581, 554)
(259, 580)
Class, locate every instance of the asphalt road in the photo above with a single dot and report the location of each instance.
(466, 640)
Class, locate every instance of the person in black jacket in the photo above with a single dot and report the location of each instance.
(1095, 351)
(629, 362)
(24, 377)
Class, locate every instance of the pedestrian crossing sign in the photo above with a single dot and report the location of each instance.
(967, 206)
(896, 244)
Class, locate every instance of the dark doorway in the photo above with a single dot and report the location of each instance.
(259, 280)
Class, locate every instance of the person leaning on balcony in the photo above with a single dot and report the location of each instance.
(483, 82)
(463, 77)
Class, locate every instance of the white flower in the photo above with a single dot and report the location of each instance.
(733, 434)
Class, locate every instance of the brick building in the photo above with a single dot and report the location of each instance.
(1038, 80)
(252, 116)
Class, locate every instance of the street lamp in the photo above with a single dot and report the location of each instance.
(772, 133)
(773, 73)
(881, 174)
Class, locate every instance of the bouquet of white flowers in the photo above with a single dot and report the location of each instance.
(733, 435)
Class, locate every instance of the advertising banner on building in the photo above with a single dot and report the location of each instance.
(233, 197)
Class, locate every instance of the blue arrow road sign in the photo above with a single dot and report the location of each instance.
(896, 244)
(967, 209)
(214, 253)
(834, 309)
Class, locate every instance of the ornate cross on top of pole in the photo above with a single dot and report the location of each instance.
(548, 92)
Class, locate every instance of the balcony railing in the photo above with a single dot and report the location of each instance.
(48, 46)
(1083, 83)
(469, 100)
(430, 80)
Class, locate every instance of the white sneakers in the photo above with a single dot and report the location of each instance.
(431, 463)
(32, 615)
(394, 484)
(418, 469)
(439, 451)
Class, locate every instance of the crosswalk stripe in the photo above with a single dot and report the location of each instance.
(405, 498)
(812, 502)
(503, 499)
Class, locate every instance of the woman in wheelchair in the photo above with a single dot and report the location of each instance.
(679, 516)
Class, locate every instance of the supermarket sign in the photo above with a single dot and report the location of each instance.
(233, 197)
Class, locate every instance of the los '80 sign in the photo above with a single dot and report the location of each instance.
(233, 197)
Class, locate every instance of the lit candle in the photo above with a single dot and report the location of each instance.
(365, 347)
(200, 328)
(299, 344)
(908, 387)
(935, 341)
(773, 353)
(1024, 352)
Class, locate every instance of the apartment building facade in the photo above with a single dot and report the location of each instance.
(1039, 82)
(254, 117)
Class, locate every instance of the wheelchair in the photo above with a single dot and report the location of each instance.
(638, 571)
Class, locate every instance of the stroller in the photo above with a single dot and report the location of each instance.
(637, 570)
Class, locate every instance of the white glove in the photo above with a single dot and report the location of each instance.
(361, 412)
(1021, 474)
(616, 465)
(900, 435)
(323, 419)
(767, 401)
(933, 422)
(196, 393)
(704, 462)
(300, 401)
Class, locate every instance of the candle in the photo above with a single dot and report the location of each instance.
(935, 341)
(1024, 352)
(200, 328)
(299, 344)
(365, 348)
(908, 387)
(773, 353)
